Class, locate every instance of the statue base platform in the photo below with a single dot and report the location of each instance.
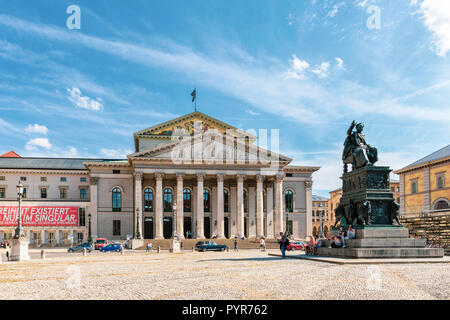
(19, 250)
(382, 242)
(175, 246)
(135, 243)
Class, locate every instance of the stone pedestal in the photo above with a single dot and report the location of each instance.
(175, 246)
(383, 242)
(19, 250)
(136, 243)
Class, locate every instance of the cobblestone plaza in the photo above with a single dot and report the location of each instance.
(247, 274)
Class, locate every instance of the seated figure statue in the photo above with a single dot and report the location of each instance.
(356, 151)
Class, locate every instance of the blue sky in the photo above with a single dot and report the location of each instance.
(307, 68)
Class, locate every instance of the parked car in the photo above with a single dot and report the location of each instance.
(115, 247)
(296, 245)
(4, 244)
(86, 245)
(209, 246)
(100, 243)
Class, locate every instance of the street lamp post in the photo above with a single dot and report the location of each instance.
(89, 230)
(321, 235)
(138, 232)
(174, 208)
(19, 243)
(19, 232)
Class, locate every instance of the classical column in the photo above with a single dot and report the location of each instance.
(43, 240)
(93, 182)
(308, 215)
(200, 207)
(279, 205)
(180, 206)
(251, 212)
(219, 207)
(232, 203)
(259, 206)
(270, 218)
(159, 206)
(57, 237)
(240, 206)
(138, 177)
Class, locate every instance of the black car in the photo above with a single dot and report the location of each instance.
(86, 245)
(210, 246)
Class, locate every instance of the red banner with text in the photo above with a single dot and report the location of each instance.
(40, 216)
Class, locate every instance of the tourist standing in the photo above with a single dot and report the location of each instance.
(284, 242)
(262, 244)
(235, 245)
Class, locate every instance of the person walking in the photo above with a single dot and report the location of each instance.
(262, 244)
(284, 242)
(149, 247)
(235, 245)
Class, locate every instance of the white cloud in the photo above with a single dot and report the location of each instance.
(84, 101)
(322, 70)
(115, 153)
(340, 63)
(38, 142)
(36, 128)
(436, 17)
(253, 113)
(298, 68)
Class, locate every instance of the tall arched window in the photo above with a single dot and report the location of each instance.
(225, 201)
(148, 200)
(187, 200)
(264, 202)
(206, 201)
(289, 200)
(117, 199)
(168, 200)
(245, 201)
(414, 187)
(440, 182)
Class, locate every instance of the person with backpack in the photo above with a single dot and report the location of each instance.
(284, 242)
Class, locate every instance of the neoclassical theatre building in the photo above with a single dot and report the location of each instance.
(192, 176)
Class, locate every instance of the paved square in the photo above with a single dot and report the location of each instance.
(248, 274)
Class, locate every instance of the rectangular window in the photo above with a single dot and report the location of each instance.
(83, 194)
(116, 227)
(440, 181)
(24, 195)
(63, 179)
(2, 178)
(43, 193)
(23, 178)
(2, 193)
(83, 179)
(414, 188)
(116, 171)
(43, 179)
(62, 193)
(82, 217)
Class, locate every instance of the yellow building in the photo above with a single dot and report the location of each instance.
(423, 184)
(320, 206)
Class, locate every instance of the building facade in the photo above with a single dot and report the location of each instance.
(424, 186)
(193, 176)
(320, 208)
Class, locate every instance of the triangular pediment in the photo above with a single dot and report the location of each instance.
(211, 147)
(191, 124)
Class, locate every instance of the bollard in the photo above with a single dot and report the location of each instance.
(159, 249)
(42, 254)
(228, 249)
(84, 252)
(122, 251)
(193, 250)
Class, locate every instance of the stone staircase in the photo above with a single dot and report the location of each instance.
(164, 244)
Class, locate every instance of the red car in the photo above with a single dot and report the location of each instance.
(100, 243)
(296, 245)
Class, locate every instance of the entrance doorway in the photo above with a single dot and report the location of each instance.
(225, 226)
(245, 227)
(168, 228)
(187, 226)
(207, 227)
(148, 228)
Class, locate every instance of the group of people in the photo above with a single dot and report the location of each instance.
(338, 241)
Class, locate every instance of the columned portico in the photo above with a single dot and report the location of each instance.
(180, 207)
(240, 206)
(200, 207)
(159, 206)
(279, 205)
(219, 207)
(138, 204)
(259, 206)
